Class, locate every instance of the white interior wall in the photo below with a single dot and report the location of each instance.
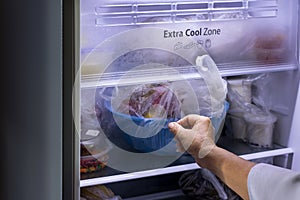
(295, 135)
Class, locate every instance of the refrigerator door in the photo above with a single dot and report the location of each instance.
(32, 122)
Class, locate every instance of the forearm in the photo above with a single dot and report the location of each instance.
(231, 169)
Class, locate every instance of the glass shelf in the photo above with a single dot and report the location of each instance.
(184, 163)
(225, 69)
(255, 67)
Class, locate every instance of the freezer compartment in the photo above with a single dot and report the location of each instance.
(114, 90)
(131, 46)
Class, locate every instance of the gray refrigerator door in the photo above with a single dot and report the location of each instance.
(32, 102)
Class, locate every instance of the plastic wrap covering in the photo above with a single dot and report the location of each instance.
(250, 112)
(138, 114)
(203, 184)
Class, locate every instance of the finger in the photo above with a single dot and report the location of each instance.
(174, 128)
(179, 146)
(202, 124)
(190, 120)
(184, 136)
(177, 129)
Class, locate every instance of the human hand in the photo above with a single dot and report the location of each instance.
(194, 134)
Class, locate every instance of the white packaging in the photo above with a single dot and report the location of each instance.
(238, 126)
(260, 127)
(242, 86)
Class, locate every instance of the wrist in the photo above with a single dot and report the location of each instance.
(206, 147)
(210, 159)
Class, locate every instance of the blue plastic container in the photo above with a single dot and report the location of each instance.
(161, 143)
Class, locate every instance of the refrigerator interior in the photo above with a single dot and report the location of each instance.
(129, 47)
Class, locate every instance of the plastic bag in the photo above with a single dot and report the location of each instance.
(238, 107)
(260, 125)
(243, 86)
(154, 101)
(93, 146)
(261, 95)
(252, 122)
(141, 112)
(203, 184)
(88, 118)
(217, 87)
(99, 192)
(209, 91)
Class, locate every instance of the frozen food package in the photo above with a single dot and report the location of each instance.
(239, 106)
(88, 118)
(260, 125)
(203, 184)
(93, 154)
(261, 96)
(252, 121)
(93, 146)
(238, 126)
(139, 113)
(243, 86)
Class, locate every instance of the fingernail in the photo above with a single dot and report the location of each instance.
(171, 125)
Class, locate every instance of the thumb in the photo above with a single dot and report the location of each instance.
(176, 129)
(182, 134)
